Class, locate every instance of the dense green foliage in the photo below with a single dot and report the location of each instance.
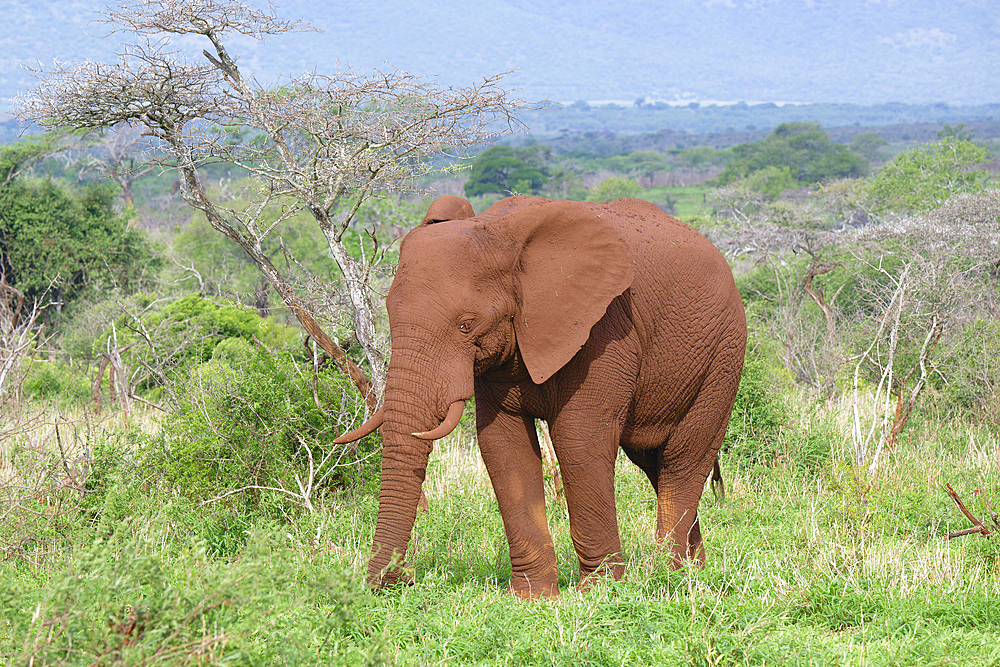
(48, 232)
(759, 414)
(924, 177)
(614, 187)
(507, 170)
(204, 324)
(794, 154)
(254, 418)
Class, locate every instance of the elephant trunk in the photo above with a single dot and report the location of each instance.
(410, 414)
(404, 466)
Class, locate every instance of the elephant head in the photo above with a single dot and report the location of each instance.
(520, 287)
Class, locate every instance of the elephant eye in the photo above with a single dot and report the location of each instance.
(465, 327)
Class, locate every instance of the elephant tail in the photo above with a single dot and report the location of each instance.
(718, 486)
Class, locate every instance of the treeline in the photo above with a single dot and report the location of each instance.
(791, 156)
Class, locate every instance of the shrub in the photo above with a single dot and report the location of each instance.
(169, 340)
(968, 377)
(47, 380)
(256, 421)
(614, 187)
(798, 153)
(759, 414)
(924, 177)
(507, 169)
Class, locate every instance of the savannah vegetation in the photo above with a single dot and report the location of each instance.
(169, 488)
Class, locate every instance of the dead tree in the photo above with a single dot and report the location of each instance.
(319, 143)
(19, 333)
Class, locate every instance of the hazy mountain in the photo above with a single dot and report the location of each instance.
(857, 51)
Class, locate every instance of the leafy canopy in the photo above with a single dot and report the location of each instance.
(614, 187)
(924, 177)
(50, 232)
(794, 154)
(506, 169)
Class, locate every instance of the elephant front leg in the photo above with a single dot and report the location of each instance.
(509, 446)
(589, 483)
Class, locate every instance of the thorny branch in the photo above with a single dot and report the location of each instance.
(318, 143)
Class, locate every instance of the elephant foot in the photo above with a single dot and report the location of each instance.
(694, 556)
(399, 574)
(521, 586)
(613, 570)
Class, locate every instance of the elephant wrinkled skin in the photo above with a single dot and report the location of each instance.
(615, 323)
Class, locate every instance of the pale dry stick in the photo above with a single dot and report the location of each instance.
(903, 410)
(861, 443)
(549, 461)
(887, 381)
(122, 391)
(304, 496)
(17, 329)
(140, 328)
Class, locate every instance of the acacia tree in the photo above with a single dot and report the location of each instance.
(314, 142)
(797, 248)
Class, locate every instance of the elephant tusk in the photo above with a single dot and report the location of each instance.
(373, 423)
(447, 426)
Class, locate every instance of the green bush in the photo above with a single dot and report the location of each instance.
(797, 153)
(69, 243)
(614, 187)
(252, 419)
(48, 380)
(967, 381)
(505, 169)
(184, 334)
(196, 318)
(759, 414)
(924, 177)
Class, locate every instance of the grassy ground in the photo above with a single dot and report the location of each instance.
(687, 201)
(806, 566)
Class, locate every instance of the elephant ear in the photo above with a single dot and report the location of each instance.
(572, 265)
(448, 207)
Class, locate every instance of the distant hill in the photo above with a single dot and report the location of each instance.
(698, 119)
(855, 51)
(614, 128)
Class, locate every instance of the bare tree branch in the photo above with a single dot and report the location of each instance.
(314, 142)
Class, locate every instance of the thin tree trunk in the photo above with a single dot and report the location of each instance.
(196, 197)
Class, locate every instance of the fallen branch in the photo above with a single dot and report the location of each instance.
(978, 526)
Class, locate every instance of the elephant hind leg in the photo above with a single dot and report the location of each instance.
(677, 524)
(690, 456)
(685, 464)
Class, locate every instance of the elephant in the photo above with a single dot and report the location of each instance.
(616, 324)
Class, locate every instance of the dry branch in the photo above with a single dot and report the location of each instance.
(978, 526)
(324, 144)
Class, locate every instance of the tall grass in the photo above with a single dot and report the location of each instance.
(806, 565)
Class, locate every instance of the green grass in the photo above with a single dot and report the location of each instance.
(804, 567)
(689, 201)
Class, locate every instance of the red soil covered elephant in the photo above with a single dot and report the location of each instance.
(615, 323)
